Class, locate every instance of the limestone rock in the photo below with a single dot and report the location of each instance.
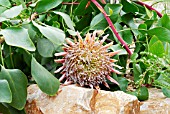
(77, 100)
(156, 104)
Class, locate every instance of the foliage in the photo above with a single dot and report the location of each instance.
(31, 31)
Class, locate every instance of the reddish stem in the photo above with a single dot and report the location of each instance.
(149, 7)
(112, 27)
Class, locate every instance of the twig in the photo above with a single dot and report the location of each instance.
(149, 7)
(112, 27)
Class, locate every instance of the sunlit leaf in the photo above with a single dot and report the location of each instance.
(12, 12)
(45, 80)
(162, 33)
(17, 36)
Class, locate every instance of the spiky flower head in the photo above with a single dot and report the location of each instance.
(87, 62)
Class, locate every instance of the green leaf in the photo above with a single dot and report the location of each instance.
(81, 7)
(127, 36)
(162, 33)
(166, 92)
(113, 11)
(153, 47)
(17, 36)
(123, 83)
(5, 92)
(153, 40)
(118, 47)
(18, 85)
(4, 109)
(12, 12)
(128, 7)
(142, 93)
(2, 9)
(66, 18)
(45, 5)
(98, 22)
(5, 3)
(7, 109)
(137, 71)
(128, 19)
(45, 47)
(149, 13)
(134, 56)
(142, 28)
(45, 80)
(55, 35)
(165, 21)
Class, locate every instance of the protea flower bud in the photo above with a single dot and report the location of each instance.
(87, 62)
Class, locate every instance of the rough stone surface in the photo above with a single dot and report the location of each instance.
(157, 103)
(77, 100)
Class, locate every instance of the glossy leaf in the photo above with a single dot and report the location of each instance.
(162, 33)
(66, 18)
(153, 47)
(165, 21)
(17, 36)
(45, 80)
(18, 85)
(55, 35)
(12, 12)
(45, 47)
(142, 93)
(5, 92)
(45, 5)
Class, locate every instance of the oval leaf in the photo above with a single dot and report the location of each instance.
(12, 12)
(55, 35)
(66, 18)
(45, 80)
(5, 92)
(17, 36)
(18, 85)
(157, 51)
(49, 49)
(98, 22)
(162, 33)
(45, 5)
(142, 93)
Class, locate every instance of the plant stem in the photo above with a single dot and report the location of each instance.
(2, 59)
(11, 57)
(149, 7)
(112, 27)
